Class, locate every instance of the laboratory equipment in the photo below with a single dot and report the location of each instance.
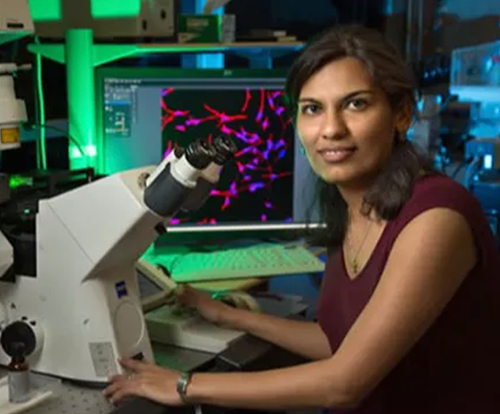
(475, 73)
(475, 78)
(183, 327)
(173, 324)
(15, 22)
(483, 176)
(485, 149)
(12, 110)
(81, 310)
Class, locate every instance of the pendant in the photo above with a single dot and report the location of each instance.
(354, 266)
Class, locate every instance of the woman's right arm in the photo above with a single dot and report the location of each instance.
(303, 338)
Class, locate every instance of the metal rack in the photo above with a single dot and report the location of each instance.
(82, 55)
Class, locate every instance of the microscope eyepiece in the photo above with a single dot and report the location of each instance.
(200, 154)
(179, 152)
(225, 149)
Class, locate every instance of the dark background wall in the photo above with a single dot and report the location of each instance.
(303, 19)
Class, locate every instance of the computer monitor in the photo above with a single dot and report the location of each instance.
(146, 112)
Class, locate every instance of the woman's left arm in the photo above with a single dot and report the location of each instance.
(428, 262)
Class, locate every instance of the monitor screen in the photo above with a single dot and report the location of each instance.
(146, 113)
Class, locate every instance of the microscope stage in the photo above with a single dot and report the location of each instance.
(183, 327)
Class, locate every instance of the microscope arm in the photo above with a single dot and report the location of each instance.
(84, 299)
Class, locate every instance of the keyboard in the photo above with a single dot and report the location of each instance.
(261, 260)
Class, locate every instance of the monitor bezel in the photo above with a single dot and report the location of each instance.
(272, 75)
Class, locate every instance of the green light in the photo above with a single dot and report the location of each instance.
(45, 10)
(90, 151)
(105, 9)
(75, 153)
(81, 96)
(16, 181)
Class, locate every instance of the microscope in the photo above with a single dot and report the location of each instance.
(82, 309)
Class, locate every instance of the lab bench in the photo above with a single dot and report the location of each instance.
(246, 354)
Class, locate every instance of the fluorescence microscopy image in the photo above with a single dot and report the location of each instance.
(257, 186)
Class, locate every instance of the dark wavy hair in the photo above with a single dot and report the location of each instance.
(393, 186)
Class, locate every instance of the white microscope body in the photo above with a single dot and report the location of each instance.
(82, 311)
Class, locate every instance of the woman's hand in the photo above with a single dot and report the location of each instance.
(145, 380)
(211, 309)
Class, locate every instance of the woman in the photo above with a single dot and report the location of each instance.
(409, 313)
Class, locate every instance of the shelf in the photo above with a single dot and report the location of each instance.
(81, 55)
(105, 53)
(476, 93)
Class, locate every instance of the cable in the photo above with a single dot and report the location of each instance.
(41, 111)
(62, 131)
(37, 119)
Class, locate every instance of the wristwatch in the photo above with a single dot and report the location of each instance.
(182, 384)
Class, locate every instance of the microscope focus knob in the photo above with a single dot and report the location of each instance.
(16, 333)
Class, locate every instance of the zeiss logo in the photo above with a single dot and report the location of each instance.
(121, 289)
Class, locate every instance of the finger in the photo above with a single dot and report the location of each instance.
(184, 299)
(117, 378)
(175, 292)
(119, 382)
(170, 297)
(132, 364)
(111, 389)
(191, 295)
(122, 393)
(181, 290)
(145, 363)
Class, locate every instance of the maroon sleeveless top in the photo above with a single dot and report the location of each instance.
(455, 367)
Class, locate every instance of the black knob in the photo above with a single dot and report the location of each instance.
(15, 334)
(225, 149)
(200, 154)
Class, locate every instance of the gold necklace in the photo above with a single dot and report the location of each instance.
(353, 262)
